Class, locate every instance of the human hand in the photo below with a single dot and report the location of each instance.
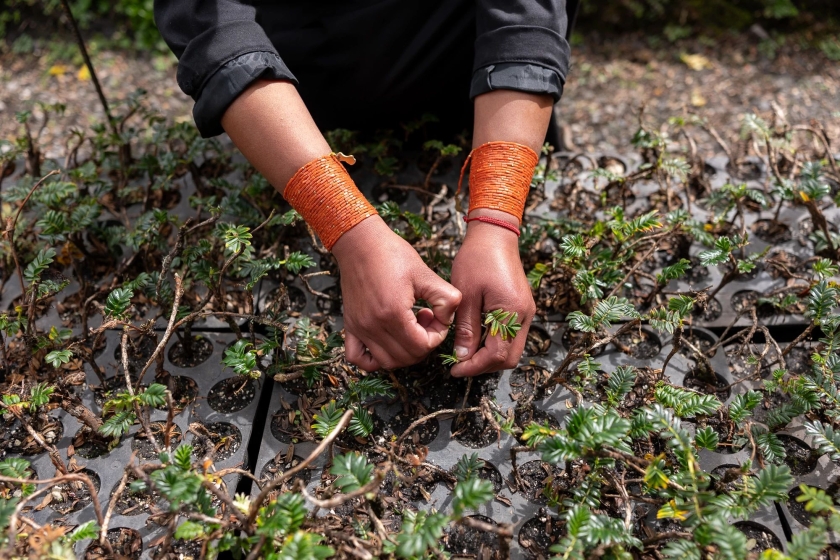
(382, 276)
(489, 274)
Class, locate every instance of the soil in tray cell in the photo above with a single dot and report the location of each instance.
(179, 549)
(771, 231)
(539, 480)
(745, 300)
(231, 394)
(726, 267)
(473, 430)
(183, 388)
(702, 382)
(527, 382)
(286, 428)
(696, 272)
(539, 534)
(200, 349)
(144, 447)
(109, 389)
(329, 305)
(348, 441)
(424, 434)
(710, 312)
(73, 495)
(729, 478)
(16, 439)
(414, 484)
(538, 341)
(729, 441)
(285, 298)
(217, 440)
(830, 553)
(89, 444)
(798, 455)
(701, 340)
(139, 352)
(135, 503)
(642, 345)
(126, 543)
(759, 537)
(571, 337)
(524, 416)
(278, 466)
(462, 541)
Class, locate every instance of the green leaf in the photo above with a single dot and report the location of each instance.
(304, 546)
(154, 395)
(189, 530)
(361, 424)
(353, 470)
(281, 517)
(825, 438)
(536, 274)
(619, 383)
(297, 261)
(327, 419)
(420, 531)
(467, 467)
(503, 323)
(706, 438)
(118, 302)
(471, 493)
(58, 357)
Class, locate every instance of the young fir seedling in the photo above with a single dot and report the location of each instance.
(242, 359)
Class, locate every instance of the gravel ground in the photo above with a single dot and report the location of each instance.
(610, 80)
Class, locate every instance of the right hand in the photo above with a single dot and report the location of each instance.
(382, 276)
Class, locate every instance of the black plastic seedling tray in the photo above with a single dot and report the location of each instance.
(109, 468)
(513, 505)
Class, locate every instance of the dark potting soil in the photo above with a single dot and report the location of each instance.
(711, 312)
(725, 267)
(643, 345)
(771, 231)
(781, 263)
(134, 503)
(539, 534)
(201, 349)
(109, 389)
(798, 360)
(746, 170)
(699, 339)
(73, 495)
(329, 305)
(491, 474)
(184, 390)
(571, 337)
(231, 394)
(527, 381)
(180, 549)
(759, 537)
(89, 444)
(696, 272)
(217, 440)
(524, 416)
(414, 484)
(286, 298)
(745, 300)
(695, 379)
(798, 455)
(424, 434)
(465, 542)
(126, 543)
(144, 447)
(348, 441)
(139, 353)
(286, 428)
(538, 341)
(729, 442)
(383, 193)
(17, 440)
(473, 430)
(538, 478)
(729, 478)
(281, 464)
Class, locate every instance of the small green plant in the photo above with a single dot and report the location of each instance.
(503, 323)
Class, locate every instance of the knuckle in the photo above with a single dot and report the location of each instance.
(500, 356)
(463, 331)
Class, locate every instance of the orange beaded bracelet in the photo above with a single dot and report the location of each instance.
(500, 176)
(327, 198)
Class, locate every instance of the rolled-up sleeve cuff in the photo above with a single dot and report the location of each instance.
(524, 44)
(518, 76)
(230, 80)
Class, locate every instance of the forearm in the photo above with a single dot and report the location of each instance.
(272, 127)
(512, 116)
(509, 116)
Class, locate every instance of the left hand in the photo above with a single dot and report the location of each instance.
(489, 275)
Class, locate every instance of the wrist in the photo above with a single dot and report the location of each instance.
(359, 239)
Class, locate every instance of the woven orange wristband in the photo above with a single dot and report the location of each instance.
(500, 176)
(327, 198)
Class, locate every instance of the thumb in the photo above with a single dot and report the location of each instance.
(468, 327)
(441, 295)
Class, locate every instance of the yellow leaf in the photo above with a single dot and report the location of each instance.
(805, 197)
(83, 74)
(695, 61)
(57, 70)
(697, 99)
(708, 227)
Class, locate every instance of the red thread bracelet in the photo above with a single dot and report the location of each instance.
(495, 222)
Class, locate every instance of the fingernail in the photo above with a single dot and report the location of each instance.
(461, 352)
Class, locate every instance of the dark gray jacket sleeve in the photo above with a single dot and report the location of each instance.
(521, 45)
(221, 49)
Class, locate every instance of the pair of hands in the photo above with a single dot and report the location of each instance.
(382, 277)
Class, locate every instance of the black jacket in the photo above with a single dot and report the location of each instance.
(365, 63)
